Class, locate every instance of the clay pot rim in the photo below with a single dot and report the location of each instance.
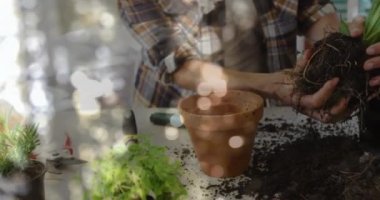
(260, 104)
(41, 172)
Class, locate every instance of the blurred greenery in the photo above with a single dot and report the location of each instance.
(135, 172)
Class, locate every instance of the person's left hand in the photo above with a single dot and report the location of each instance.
(356, 28)
(312, 105)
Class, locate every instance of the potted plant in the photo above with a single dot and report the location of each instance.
(21, 176)
(138, 171)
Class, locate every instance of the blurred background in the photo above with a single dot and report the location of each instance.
(64, 55)
(67, 55)
(68, 66)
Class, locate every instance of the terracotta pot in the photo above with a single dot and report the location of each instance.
(223, 131)
(27, 184)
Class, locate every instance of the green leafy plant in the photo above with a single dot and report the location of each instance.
(344, 28)
(139, 171)
(371, 33)
(16, 146)
(372, 24)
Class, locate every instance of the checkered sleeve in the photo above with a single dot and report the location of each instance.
(157, 32)
(311, 11)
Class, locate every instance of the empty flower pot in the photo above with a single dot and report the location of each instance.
(222, 130)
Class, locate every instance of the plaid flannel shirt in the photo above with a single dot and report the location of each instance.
(169, 31)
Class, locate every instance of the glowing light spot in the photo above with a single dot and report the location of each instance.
(42, 120)
(204, 103)
(220, 88)
(77, 78)
(212, 73)
(38, 96)
(87, 92)
(182, 119)
(171, 133)
(8, 16)
(9, 49)
(236, 142)
(120, 147)
(107, 20)
(12, 94)
(204, 89)
(175, 120)
(204, 45)
(86, 106)
(243, 14)
(100, 134)
(217, 171)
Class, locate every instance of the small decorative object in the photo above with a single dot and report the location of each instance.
(21, 176)
(63, 159)
(139, 170)
(222, 130)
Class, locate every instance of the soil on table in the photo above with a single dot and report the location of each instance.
(333, 167)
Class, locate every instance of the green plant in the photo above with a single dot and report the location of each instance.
(16, 146)
(372, 24)
(371, 33)
(136, 172)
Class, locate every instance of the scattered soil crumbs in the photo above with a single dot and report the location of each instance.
(310, 165)
(312, 168)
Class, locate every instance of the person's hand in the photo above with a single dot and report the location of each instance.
(356, 28)
(313, 105)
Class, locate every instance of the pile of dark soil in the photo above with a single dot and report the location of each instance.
(340, 56)
(333, 167)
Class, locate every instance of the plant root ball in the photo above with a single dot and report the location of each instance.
(341, 56)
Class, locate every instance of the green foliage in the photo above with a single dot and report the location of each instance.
(142, 169)
(371, 33)
(372, 24)
(344, 28)
(16, 146)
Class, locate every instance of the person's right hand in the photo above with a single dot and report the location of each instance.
(356, 28)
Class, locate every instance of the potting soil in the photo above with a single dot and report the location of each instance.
(310, 167)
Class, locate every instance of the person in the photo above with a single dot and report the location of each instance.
(370, 121)
(213, 45)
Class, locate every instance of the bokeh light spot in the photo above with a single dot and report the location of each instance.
(204, 103)
(171, 133)
(204, 89)
(217, 171)
(236, 142)
(220, 88)
(175, 120)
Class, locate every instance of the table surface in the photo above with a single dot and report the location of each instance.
(96, 135)
(177, 140)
